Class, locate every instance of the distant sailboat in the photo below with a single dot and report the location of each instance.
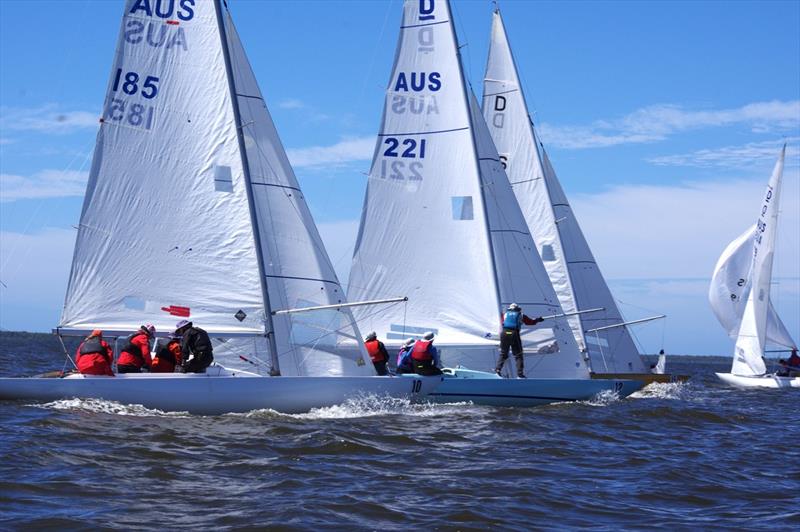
(601, 334)
(192, 211)
(740, 296)
(440, 225)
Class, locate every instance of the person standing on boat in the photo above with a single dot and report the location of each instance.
(167, 357)
(196, 347)
(425, 356)
(404, 364)
(94, 356)
(135, 352)
(510, 337)
(377, 353)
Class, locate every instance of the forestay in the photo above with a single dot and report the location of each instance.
(440, 223)
(567, 258)
(169, 185)
(752, 338)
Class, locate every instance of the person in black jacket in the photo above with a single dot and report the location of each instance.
(195, 347)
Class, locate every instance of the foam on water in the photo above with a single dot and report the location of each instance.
(101, 406)
(663, 390)
(604, 398)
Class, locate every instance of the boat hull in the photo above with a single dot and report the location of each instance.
(216, 394)
(762, 381)
(646, 378)
(484, 388)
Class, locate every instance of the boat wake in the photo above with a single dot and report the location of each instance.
(663, 390)
(101, 406)
(370, 405)
(604, 398)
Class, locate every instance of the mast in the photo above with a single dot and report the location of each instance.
(476, 161)
(269, 328)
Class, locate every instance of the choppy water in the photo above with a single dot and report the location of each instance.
(697, 455)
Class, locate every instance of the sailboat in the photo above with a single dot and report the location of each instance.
(594, 318)
(192, 211)
(440, 226)
(740, 296)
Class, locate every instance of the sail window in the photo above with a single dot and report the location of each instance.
(133, 303)
(548, 255)
(223, 179)
(462, 208)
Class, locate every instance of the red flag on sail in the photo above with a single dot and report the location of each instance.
(175, 310)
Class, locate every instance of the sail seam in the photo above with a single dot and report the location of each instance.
(278, 186)
(422, 132)
(486, 95)
(301, 278)
(426, 24)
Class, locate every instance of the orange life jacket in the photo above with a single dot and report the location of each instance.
(421, 351)
(374, 350)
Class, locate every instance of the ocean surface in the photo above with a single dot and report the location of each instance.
(694, 455)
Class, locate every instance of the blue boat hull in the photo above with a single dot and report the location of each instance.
(484, 388)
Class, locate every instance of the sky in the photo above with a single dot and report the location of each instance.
(662, 119)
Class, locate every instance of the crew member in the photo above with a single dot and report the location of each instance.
(513, 319)
(168, 356)
(425, 356)
(196, 347)
(94, 356)
(135, 351)
(404, 364)
(791, 367)
(377, 353)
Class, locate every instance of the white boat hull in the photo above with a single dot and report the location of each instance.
(219, 393)
(760, 381)
(489, 389)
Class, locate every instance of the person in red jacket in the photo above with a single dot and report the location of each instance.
(94, 355)
(135, 351)
(791, 367)
(377, 353)
(168, 356)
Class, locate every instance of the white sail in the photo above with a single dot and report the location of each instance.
(440, 224)
(752, 339)
(569, 262)
(730, 289)
(298, 270)
(169, 187)
(165, 228)
(423, 232)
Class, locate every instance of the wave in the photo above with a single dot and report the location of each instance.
(102, 406)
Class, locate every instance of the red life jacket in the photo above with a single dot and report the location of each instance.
(421, 351)
(374, 350)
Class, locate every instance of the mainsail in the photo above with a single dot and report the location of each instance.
(440, 224)
(753, 330)
(192, 210)
(569, 262)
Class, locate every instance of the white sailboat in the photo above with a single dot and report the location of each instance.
(440, 225)
(602, 334)
(193, 211)
(740, 296)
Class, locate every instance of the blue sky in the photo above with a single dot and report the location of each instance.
(662, 119)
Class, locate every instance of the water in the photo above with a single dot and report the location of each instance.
(674, 456)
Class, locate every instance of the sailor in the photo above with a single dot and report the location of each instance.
(196, 347)
(791, 367)
(510, 337)
(377, 353)
(135, 351)
(425, 356)
(404, 364)
(94, 356)
(167, 357)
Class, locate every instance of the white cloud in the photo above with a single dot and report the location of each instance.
(659, 232)
(43, 184)
(657, 122)
(747, 155)
(343, 152)
(291, 103)
(46, 119)
(34, 270)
